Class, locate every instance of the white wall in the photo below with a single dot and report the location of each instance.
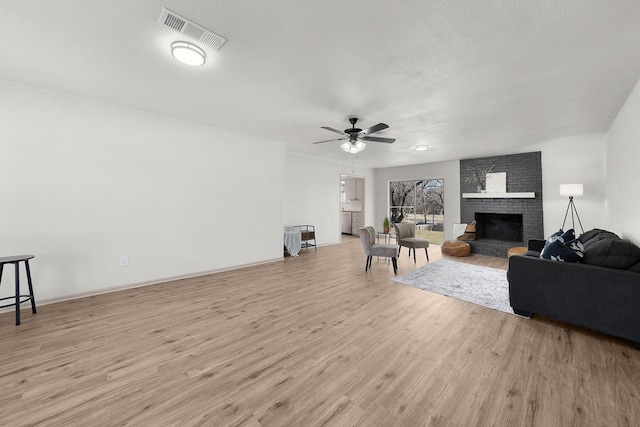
(623, 166)
(85, 182)
(312, 194)
(449, 171)
(573, 160)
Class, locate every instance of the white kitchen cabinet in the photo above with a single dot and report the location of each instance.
(349, 189)
(356, 222)
(359, 189)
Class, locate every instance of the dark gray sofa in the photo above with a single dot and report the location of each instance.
(598, 297)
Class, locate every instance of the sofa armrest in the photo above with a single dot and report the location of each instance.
(536, 244)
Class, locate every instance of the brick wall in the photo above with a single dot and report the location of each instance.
(524, 174)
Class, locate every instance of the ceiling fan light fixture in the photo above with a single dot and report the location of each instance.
(188, 53)
(356, 136)
(353, 147)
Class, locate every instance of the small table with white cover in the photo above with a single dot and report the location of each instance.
(292, 240)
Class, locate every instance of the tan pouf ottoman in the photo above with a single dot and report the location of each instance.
(518, 250)
(455, 248)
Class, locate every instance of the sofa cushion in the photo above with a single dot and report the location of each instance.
(635, 267)
(612, 252)
(414, 242)
(592, 236)
(536, 245)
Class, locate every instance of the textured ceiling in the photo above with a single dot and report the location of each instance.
(468, 78)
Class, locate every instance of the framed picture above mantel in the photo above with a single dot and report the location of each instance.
(497, 182)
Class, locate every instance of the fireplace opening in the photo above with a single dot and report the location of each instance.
(506, 227)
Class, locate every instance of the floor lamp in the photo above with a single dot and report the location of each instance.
(571, 190)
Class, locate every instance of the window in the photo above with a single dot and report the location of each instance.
(420, 202)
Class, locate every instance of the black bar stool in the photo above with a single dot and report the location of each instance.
(16, 260)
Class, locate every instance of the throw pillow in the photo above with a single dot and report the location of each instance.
(571, 251)
(555, 236)
(564, 247)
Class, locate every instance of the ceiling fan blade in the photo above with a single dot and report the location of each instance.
(329, 140)
(378, 139)
(333, 130)
(373, 129)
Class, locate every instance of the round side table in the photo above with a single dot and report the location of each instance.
(518, 250)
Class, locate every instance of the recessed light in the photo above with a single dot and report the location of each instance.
(421, 147)
(188, 53)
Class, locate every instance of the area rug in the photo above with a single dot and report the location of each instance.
(484, 286)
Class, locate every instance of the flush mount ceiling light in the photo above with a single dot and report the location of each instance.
(421, 147)
(188, 53)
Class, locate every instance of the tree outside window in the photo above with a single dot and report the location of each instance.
(420, 202)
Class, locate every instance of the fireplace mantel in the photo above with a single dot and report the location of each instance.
(531, 195)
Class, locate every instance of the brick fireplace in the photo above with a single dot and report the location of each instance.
(503, 221)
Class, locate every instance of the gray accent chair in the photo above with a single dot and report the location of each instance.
(406, 236)
(371, 248)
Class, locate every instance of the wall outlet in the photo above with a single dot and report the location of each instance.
(124, 261)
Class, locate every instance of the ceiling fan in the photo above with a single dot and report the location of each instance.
(357, 136)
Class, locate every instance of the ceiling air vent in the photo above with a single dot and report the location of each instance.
(182, 25)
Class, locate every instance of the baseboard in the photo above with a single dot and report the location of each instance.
(45, 301)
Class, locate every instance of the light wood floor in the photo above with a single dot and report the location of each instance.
(309, 341)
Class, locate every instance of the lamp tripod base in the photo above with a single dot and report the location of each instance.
(572, 207)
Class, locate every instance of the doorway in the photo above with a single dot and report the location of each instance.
(351, 204)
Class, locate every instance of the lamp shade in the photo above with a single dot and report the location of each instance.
(571, 189)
